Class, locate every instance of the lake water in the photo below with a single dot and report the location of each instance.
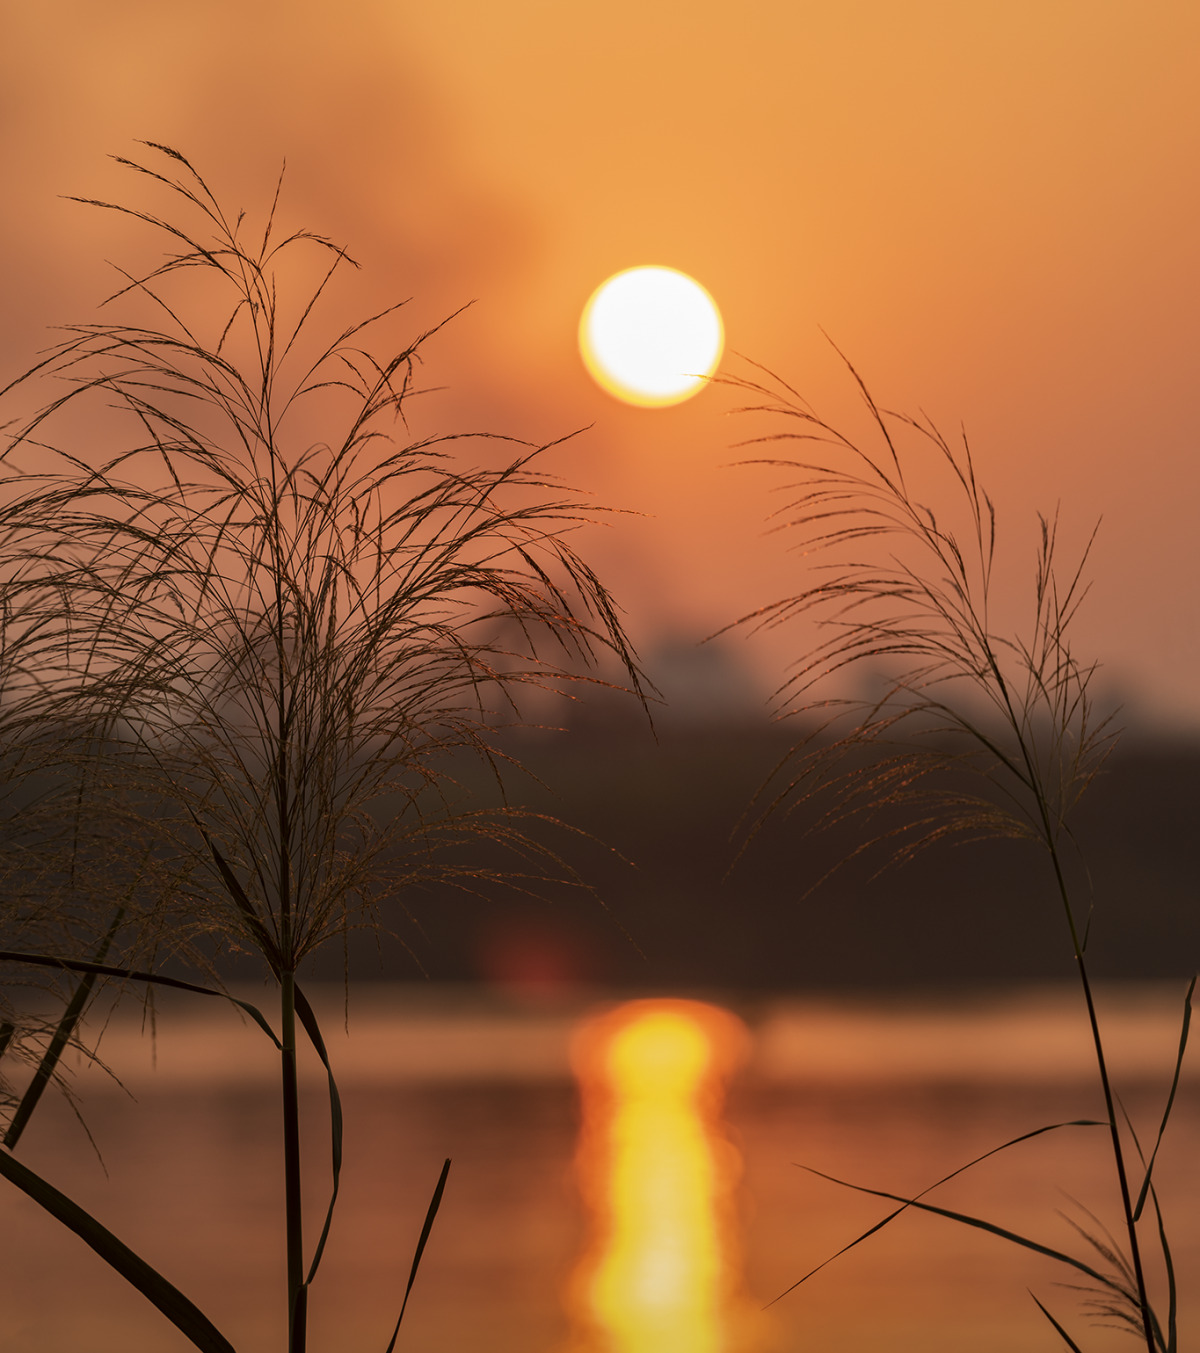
(889, 1093)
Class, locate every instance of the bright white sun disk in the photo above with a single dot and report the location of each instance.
(651, 335)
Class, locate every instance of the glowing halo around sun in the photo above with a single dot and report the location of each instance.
(651, 335)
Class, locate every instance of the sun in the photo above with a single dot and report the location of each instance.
(651, 335)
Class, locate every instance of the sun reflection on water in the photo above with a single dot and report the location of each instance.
(660, 1271)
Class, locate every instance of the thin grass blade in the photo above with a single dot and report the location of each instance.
(182, 1313)
(879, 1225)
(434, 1203)
(61, 1037)
(979, 1224)
(1066, 1338)
(1172, 1345)
(133, 975)
(1183, 1038)
(262, 935)
(309, 1021)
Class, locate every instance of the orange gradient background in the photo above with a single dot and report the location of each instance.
(990, 209)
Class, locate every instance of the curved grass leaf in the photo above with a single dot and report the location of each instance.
(1172, 1344)
(434, 1203)
(879, 1225)
(309, 1020)
(1066, 1338)
(978, 1222)
(182, 1313)
(62, 1035)
(133, 975)
(263, 937)
(1183, 1038)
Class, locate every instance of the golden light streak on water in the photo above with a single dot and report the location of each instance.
(660, 1272)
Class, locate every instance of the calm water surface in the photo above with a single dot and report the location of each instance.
(889, 1094)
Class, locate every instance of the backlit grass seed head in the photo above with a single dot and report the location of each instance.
(280, 638)
(902, 595)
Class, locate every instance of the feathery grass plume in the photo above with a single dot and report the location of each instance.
(973, 728)
(59, 875)
(903, 597)
(289, 613)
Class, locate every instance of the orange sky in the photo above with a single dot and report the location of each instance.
(991, 209)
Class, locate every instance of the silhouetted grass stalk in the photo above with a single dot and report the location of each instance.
(275, 644)
(899, 586)
(63, 1033)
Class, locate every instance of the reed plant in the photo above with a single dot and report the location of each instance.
(35, 820)
(62, 874)
(279, 616)
(974, 726)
